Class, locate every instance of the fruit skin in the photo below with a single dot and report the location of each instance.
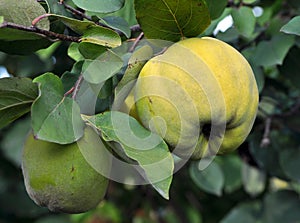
(196, 84)
(58, 176)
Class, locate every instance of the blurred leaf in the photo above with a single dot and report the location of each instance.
(117, 23)
(292, 27)
(231, 166)
(23, 12)
(216, 7)
(13, 140)
(16, 96)
(266, 157)
(267, 107)
(244, 212)
(278, 48)
(139, 144)
(244, 20)
(103, 68)
(172, 20)
(54, 218)
(290, 67)
(211, 179)
(254, 180)
(135, 64)
(55, 118)
(289, 161)
(281, 206)
(101, 36)
(103, 6)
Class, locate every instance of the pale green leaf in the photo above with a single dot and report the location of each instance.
(292, 27)
(146, 148)
(103, 68)
(135, 64)
(244, 20)
(254, 180)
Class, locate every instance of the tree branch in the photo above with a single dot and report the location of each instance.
(52, 36)
(266, 139)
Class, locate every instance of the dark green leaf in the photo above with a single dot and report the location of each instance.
(281, 206)
(244, 20)
(292, 27)
(55, 118)
(55, 7)
(216, 7)
(211, 179)
(289, 161)
(291, 66)
(139, 144)
(103, 6)
(12, 143)
(90, 50)
(244, 212)
(16, 97)
(254, 180)
(23, 12)
(103, 68)
(171, 19)
(117, 23)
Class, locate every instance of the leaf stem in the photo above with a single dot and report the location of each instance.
(77, 86)
(136, 41)
(266, 139)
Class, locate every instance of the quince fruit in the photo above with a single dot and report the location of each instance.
(59, 176)
(200, 95)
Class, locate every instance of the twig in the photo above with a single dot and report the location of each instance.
(136, 41)
(69, 91)
(77, 86)
(266, 139)
(75, 11)
(49, 34)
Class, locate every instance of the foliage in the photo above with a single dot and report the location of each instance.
(73, 62)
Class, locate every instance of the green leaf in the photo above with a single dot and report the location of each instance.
(172, 19)
(244, 20)
(216, 7)
(281, 206)
(23, 12)
(101, 36)
(56, 8)
(90, 50)
(102, 6)
(13, 140)
(135, 64)
(291, 66)
(211, 179)
(139, 144)
(117, 23)
(231, 166)
(289, 161)
(55, 118)
(103, 68)
(74, 53)
(254, 180)
(292, 27)
(16, 96)
(278, 47)
(244, 212)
